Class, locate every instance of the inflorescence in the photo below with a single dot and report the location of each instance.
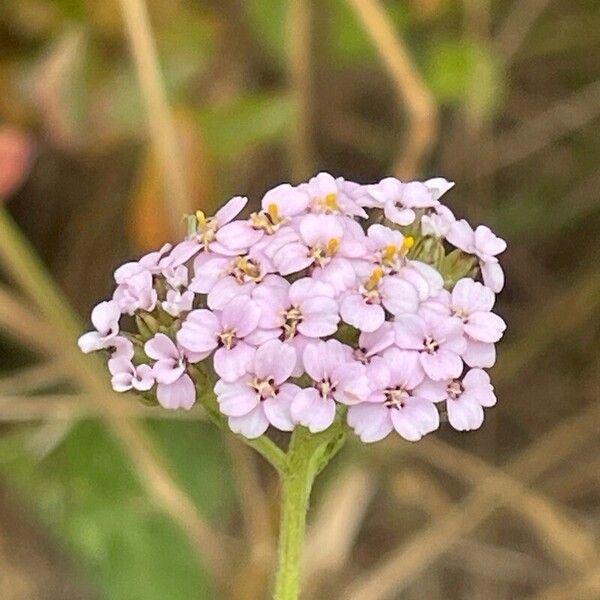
(332, 295)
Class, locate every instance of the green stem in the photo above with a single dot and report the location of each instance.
(306, 457)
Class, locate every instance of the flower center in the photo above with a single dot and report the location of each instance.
(326, 388)
(455, 389)
(227, 337)
(431, 346)
(265, 388)
(207, 228)
(269, 221)
(245, 270)
(460, 313)
(322, 254)
(329, 204)
(392, 257)
(396, 397)
(292, 317)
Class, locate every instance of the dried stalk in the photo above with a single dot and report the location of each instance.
(421, 109)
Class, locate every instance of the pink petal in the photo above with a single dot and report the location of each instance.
(236, 398)
(231, 364)
(231, 210)
(292, 258)
(275, 360)
(479, 354)
(338, 273)
(485, 327)
(410, 332)
(464, 413)
(208, 269)
(289, 200)
(357, 312)
(374, 342)
(371, 422)
(438, 186)
(161, 347)
(90, 342)
(416, 419)
(487, 242)
(405, 368)
(250, 425)
(312, 411)
(493, 276)
(471, 296)
(307, 287)
(278, 410)
(399, 296)
(433, 391)
(319, 317)
(443, 364)
(199, 331)
(240, 314)
(239, 235)
(167, 371)
(477, 383)
(320, 229)
(227, 289)
(400, 216)
(180, 394)
(462, 236)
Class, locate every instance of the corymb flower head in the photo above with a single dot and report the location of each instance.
(330, 300)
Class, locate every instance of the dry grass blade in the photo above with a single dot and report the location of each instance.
(335, 527)
(586, 587)
(569, 542)
(420, 105)
(23, 324)
(32, 379)
(48, 407)
(160, 121)
(539, 132)
(517, 25)
(88, 372)
(301, 82)
(251, 583)
(401, 567)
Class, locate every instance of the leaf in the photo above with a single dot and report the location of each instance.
(87, 495)
(229, 130)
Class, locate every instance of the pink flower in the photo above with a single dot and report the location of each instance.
(472, 303)
(261, 397)
(484, 244)
(332, 196)
(371, 343)
(136, 293)
(175, 388)
(398, 199)
(105, 318)
(337, 378)
(279, 205)
(464, 399)
(149, 262)
(204, 331)
(364, 308)
(437, 222)
(305, 307)
(439, 345)
(126, 376)
(394, 402)
(177, 302)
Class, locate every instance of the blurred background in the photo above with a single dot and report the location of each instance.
(118, 116)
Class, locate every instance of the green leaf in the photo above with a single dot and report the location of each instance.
(87, 495)
(248, 120)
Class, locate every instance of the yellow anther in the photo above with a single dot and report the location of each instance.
(330, 202)
(273, 211)
(389, 252)
(374, 280)
(408, 243)
(202, 220)
(332, 246)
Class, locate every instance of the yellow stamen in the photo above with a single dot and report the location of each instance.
(408, 243)
(201, 218)
(332, 246)
(331, 202)
(374, 280)
(273, 211)
(389, 252)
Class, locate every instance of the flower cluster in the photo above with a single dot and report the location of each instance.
(332, 295)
